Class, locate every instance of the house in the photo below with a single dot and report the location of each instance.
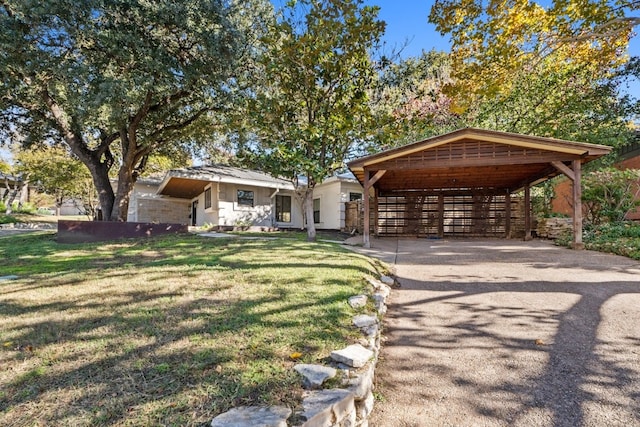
(628, 157)
(231, 197)
(329, 199)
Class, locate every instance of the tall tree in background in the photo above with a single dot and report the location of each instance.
(117, 80)
(409, 102)
(314, 108)
(54, 171)
(518, 66)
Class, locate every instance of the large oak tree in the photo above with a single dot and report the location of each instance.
(117, 80)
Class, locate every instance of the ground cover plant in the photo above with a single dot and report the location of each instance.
(620, 238)
(165, 331)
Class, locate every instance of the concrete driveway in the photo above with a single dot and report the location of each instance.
(509, 333)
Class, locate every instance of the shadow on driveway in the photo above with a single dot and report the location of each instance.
(500, 332)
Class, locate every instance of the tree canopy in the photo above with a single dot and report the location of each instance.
(118, 79)
(312, 108)
(553, 71)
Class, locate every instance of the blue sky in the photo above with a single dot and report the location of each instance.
(407, 21)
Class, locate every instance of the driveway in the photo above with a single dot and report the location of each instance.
(508, 333)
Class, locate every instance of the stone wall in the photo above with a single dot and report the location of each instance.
(346, 406)
(153, 209)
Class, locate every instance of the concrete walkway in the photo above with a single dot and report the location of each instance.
(508, 333)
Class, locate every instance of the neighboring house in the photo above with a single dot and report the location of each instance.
(13, 189)
(230, 197)
(628, 158)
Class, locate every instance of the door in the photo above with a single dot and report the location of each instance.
(194, 211)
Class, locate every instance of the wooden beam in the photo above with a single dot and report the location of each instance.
(527, 212)
(564, 169)
(376, 177)
(577, 205)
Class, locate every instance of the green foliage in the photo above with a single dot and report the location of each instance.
(620, 238)
(117, 80)
(549, 71)
(408, 100)
(609, 194)
(55, 171)
(313, 108)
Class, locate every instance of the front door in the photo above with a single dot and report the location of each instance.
(194, 211)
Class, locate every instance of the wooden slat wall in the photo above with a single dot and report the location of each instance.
(477, 215)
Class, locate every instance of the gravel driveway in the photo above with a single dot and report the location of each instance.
(504, 332)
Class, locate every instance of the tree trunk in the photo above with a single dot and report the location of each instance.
(308, 209)
(100, 177)
(123, 194)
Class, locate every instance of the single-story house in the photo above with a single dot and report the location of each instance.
(230, 197)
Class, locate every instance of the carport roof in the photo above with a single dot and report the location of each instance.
(473, 158)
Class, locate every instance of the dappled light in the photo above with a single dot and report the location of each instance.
(170, 330)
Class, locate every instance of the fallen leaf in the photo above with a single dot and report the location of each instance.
(7, 344)
(219, 369)
(295, 355)
(539, 342)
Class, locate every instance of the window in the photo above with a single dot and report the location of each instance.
(316, 211)
(245, 198)
(207, 198)
(283, 208)
(355, 196)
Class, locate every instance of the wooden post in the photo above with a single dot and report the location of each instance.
(577, 205)
(507, 215)
(376, 212)
(527, 212)
(441, 215)
(366, 242)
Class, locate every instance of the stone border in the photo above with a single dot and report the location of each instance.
(347, 406)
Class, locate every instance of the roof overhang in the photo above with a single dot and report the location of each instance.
(473, 158)
(187, 184)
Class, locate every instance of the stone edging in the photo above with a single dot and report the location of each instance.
(347, 406)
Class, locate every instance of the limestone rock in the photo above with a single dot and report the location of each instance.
(379, 302)
(364, 320)
(253, 416)
(362, 383)
(354, 355)
(358, 301)
(326, 408)
(314, 375)
(387, 280)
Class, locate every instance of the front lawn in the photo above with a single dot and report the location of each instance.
(166, 331)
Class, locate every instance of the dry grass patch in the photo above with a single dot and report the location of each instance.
(168, 331)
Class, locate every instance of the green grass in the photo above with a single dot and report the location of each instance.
(166, 331)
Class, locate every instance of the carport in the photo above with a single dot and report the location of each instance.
(461, 183)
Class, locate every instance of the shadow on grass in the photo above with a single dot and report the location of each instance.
(178, 330)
